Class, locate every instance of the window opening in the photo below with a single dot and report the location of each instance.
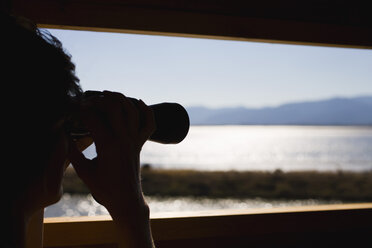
(272, 124)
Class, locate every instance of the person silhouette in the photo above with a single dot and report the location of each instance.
(40, 93)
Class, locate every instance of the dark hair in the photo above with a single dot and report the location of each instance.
(39, 88)
(38, 69)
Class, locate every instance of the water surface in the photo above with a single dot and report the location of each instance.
(323, 148)
(266, 148)
(85, 205)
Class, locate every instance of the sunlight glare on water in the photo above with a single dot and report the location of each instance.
(80, 205)
(266, 148)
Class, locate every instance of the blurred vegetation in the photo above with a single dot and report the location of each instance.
(340, 185)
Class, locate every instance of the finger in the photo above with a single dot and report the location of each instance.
(130, 119)
(93, 118)
(91, 93)
(148, 125)
(83, 143)
(115, 113)
(82, 165)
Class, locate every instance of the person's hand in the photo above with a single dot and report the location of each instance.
(119, 129)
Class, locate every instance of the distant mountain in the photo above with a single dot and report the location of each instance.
(335, 111)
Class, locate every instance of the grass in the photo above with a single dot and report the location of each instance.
(340, 185)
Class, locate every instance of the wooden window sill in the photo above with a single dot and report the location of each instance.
(319, 225)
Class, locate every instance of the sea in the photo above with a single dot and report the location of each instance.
(242, 148)
(288, 148)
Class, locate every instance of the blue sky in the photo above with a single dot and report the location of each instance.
(215, 73)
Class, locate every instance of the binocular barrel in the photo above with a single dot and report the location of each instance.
(172, 123)
(171, 119)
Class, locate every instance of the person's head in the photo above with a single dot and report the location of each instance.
(39, 90)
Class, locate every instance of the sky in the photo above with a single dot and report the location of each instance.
(215, 73)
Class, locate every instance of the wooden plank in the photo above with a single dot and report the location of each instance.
(262, 222)
(277, 210)
(288, 22)
(64, 232)
(225, 225)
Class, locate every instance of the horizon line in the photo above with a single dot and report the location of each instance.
(368, 95)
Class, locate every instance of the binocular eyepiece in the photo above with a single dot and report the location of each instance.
(171, 119)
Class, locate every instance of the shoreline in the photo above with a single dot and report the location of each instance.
(277, 185)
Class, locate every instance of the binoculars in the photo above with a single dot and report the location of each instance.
(171, 119)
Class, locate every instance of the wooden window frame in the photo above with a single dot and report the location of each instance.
(321, 23)
(318, 226)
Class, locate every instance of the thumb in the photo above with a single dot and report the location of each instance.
(82, 165)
